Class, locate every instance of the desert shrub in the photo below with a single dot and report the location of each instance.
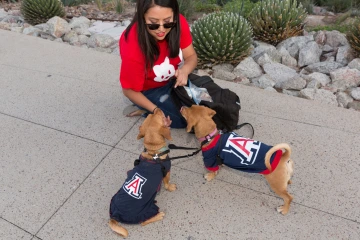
(353, 36)
(338, 5)
(206, 6)
(74, 2)
(243, 7)
(339, 27)
(222, 2)
(308, 5)
(186, 7)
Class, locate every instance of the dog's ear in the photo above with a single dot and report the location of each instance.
(144, 126)
(165, 132)
(190, 123)
(141, 133)
(211, 112)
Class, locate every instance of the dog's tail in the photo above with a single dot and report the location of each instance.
(285, 156)
(114, 225)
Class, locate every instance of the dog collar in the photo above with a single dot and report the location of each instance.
(162, 151)
(209, 136)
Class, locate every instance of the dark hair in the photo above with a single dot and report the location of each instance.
(148, 44)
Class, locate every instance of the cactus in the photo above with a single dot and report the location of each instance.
(353, 36)
(40, 11)
(221, 37)
(276, 20)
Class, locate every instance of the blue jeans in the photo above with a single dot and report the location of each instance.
(161, 97)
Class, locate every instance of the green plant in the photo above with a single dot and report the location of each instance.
(353, 36)
(338, 5)
(221, 37)
(243, 7)
(276, 20)
(118, 5)
(186, 7)
(199, 6)
(222, 2)
(339, 27)
(74, 2)
(308, 5)
(99, 4)
(40, 11)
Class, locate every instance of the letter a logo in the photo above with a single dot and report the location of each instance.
(133, 187)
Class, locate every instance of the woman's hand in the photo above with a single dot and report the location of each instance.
(181, 78)
(167, 121)
(190, 62)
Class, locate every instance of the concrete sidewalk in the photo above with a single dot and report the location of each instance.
(66, 146)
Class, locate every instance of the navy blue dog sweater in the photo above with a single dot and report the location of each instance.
(135, 201)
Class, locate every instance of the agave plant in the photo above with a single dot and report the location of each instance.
(221, 37)
(40, 11)
(353, 36)
(276, 20)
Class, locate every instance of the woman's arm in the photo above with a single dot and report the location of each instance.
(139, 99)
(190, 63)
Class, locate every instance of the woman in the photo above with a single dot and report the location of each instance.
(156, 46)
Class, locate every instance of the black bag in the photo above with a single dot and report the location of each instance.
(225, 103)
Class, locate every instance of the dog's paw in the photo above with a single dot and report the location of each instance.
(155, 218)
(209, 176)
(171, 187)
(282, 210)
(160, 216)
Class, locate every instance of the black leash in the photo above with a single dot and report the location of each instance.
(173, 146)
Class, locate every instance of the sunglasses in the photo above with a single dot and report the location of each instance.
(154, 26)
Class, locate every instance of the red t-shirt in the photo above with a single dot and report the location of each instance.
(132, 73)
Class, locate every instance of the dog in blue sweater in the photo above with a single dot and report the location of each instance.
(135, 202)
(240, 153)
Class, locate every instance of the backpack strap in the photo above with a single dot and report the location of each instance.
(199, 82)
(244, 124)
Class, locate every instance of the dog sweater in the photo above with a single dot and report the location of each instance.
(239, 153)
(135, 201)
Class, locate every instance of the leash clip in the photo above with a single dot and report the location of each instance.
(156, 156)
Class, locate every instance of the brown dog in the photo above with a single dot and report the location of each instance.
(135, 201)
(240, 153)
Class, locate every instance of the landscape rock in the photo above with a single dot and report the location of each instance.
(343, 99)
(248, 68)
(309, 54)
(58, 26)
(355, 93)
(344, 78)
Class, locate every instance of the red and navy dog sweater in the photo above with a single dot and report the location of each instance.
(239, 153)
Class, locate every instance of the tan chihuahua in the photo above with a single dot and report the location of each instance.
(135, 201)
(240, 153)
